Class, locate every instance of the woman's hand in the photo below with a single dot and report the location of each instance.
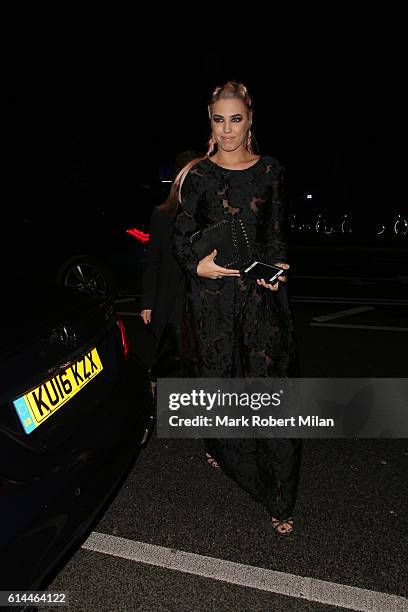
(208, 269)
(275, 287)
(146, 316)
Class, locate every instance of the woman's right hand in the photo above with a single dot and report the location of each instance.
(146, 316)
(208, 269)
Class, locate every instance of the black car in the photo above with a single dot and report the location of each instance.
(96, 245)
(75, 411)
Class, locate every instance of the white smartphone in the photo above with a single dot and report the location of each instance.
(261, 270)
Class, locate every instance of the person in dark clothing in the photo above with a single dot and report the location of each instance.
(163, 283)
(241, 328)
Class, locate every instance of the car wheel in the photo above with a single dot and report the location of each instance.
(87, 275)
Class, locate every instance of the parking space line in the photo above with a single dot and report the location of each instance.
(291, 585)
(379, 327)
(122, 300)
(128, 314)
(347, 278)
(321, 299)
(342, 313)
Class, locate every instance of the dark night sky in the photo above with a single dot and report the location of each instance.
(86, 119)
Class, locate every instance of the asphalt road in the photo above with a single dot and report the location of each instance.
(181, 536)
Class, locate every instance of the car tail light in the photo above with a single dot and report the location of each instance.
(138, 234)
(125, 339)
(3, 485)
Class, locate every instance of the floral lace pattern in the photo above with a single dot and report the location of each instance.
(240, 326)
(235, 327)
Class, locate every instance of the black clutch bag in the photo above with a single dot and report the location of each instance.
(230, 238)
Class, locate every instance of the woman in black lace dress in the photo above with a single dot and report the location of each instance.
(240, 328)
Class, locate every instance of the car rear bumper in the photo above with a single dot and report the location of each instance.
(45, 517)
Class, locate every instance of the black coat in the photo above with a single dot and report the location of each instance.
(163, 286)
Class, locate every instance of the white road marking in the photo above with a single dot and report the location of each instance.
(347, 278)
(379, 327)
(128, 314)
(323, 299)
(342, 313)
(127, 299)
(291, 585)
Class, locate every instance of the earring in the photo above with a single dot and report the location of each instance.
(249, 141)
(211, 145)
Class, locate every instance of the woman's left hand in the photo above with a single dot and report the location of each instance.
(275, 287)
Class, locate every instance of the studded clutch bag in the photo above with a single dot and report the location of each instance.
(229, 237)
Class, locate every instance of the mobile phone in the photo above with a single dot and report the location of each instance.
(261, 270)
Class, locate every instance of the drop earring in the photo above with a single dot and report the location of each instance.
(211, 145)
(249, 141)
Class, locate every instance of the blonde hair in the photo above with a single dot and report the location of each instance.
(169, 206)
(231, 89)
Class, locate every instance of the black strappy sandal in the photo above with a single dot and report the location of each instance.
(212, 462)
(276, 523)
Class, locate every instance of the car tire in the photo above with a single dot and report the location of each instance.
(88, 275)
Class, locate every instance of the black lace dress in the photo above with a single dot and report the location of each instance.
(235, 328)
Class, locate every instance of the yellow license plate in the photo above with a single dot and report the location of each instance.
(37, 405)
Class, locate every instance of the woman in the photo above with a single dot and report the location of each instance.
(163, 281)
(242, 328)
